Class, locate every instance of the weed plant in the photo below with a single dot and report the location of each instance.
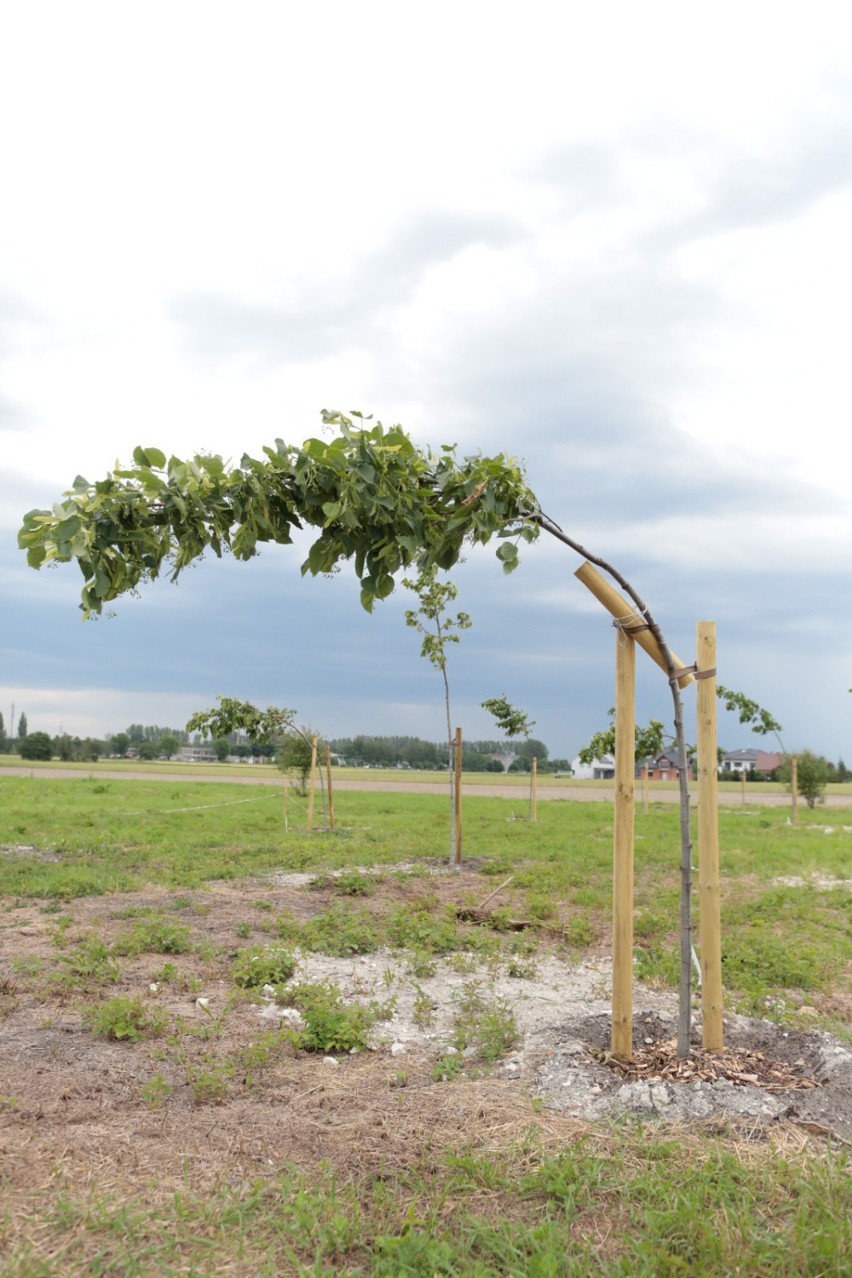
(486, 1027)
(269, 965)
(331, 1024)
(125, 1018)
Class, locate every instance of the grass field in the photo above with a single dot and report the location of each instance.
(396, 776)
(165, 1139)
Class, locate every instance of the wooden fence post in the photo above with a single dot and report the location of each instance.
(534, 790)
(330, 795)
(710, 931)
(312, 783)
(623, 829)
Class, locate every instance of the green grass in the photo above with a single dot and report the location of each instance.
(92, 838)
(620, 1201)
(620, 1206)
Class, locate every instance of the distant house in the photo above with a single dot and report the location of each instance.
(661, 767)
(598, 770)
(197, 754)
(735, 762)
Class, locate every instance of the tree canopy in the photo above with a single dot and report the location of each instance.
(376, 498)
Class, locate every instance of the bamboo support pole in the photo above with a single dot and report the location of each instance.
(622, 879)
(625, 613)
(794, 788)
(330, 791)
(312, 783)
(457, 797)
(710, 929)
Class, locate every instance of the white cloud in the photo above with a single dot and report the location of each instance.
(611, 239)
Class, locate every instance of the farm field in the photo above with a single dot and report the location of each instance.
(507, 785)
(230, 1049)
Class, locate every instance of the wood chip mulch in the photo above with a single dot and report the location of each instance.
(742, 1067)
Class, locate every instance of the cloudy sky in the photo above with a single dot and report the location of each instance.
(610, 239)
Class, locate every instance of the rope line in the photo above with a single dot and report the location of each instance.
(200, 807)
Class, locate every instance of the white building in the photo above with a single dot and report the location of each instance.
(598, 770)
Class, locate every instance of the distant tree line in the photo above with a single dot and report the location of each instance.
(413, 752)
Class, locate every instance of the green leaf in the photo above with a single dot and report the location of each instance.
(446, 556)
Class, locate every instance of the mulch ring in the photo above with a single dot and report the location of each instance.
(743, 1067)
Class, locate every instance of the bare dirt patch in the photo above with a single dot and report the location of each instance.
(192, 1107)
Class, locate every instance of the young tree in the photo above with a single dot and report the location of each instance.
(373, 497)
(649, 741)
(511, 721)
(231, 715)
(812, 775)
(295, 755)
(432, 620)
(751, 714)
(272, 727)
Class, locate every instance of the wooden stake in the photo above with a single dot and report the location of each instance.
(497, 890)
(645, 789)
(286, 788)
(457, 851)
(312, 784)
(627, 615)
(330, 794)
(794, 788)
(743, 787)
(534, 790)
(622, 879)
(710, 930)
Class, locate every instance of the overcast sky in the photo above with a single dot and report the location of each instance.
(611, 239)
